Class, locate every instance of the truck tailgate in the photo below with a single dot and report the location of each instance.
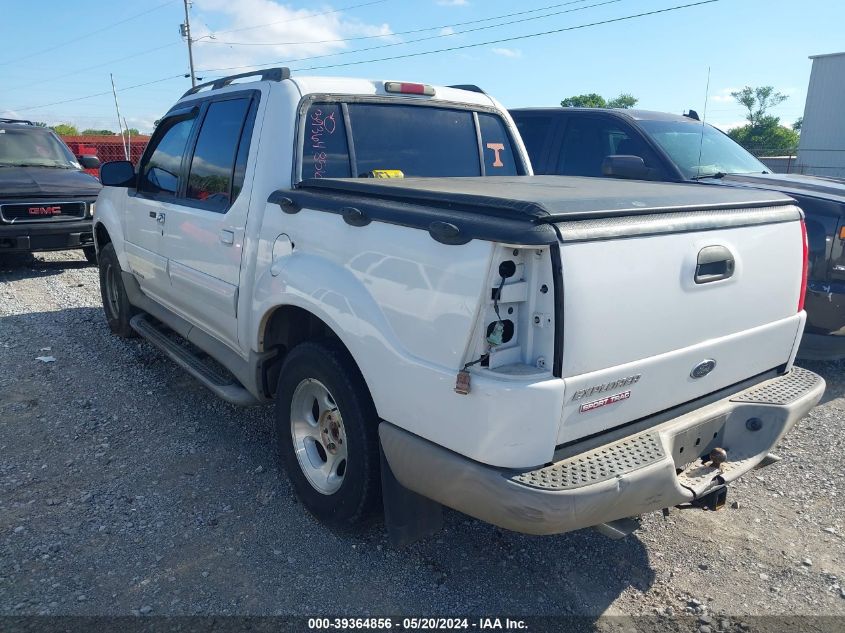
(660, 310)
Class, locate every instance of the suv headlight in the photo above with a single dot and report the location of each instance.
(91, 209)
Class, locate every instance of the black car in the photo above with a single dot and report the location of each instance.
(46, 200)
(646, 145)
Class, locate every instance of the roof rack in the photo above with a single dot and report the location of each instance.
(266, 74)
(467, 87)
(24, 121)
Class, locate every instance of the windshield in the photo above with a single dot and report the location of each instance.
(411, 139)
(684, 143)
(34, 148)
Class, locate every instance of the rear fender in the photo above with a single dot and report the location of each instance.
(334, 295)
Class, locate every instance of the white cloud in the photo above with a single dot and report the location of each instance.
(724, 95)
(453, 3)
(448, 30)
(507, 52)
(293, 32)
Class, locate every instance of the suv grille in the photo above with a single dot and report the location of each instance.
(41, 211)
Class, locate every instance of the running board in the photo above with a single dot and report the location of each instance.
(222, 387)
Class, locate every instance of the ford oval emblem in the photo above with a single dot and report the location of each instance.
(703, 368)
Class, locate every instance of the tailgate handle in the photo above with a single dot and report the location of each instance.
(714, 264)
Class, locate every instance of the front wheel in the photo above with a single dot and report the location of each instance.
(115, 302)
(327, 429)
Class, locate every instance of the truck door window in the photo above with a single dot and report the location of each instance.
(213, 162)
(162, 164)
(536, 132)
(326, 152)
(418, 140)
(496, 146)
(588, 140)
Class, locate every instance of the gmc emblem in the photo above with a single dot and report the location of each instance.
(55, 210)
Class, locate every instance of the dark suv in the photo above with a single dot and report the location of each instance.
(46, 200)
(646, 145)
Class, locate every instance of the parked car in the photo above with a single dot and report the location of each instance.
(46, 200)
(657, 146)
(543, 353)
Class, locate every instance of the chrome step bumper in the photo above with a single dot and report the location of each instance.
(661, 467)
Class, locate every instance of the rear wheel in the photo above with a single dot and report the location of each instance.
(90, 253)
(115, 302)
(328, 433)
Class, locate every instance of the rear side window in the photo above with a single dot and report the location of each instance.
(213, 164)
(161, 170)
(326, 152)
(498, 151)
(357, 139)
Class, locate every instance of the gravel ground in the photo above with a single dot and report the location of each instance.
(127, 488)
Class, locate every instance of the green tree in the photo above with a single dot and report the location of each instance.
(798, 123)
(132, 131)
(92, 132)
(39, 124)
(65, 129)
(624, 101)
(763, 135)
(758, 101)
(767, 138)
(591, 100)
(594, 100)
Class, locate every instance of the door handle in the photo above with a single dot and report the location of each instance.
(227, 237)
(714, 264)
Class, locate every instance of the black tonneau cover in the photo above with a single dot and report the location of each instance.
(510, 209)
(553, 198)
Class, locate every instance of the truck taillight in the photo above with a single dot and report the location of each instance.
(805, 266)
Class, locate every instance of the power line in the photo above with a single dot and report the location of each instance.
(82, 70)
(394, 34)
(515, 38)
(407, 55)
(427, 38)
(303, 17)
(82, 37)
(98, 94)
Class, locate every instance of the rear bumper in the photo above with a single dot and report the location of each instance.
(46, 236)
(592, 483)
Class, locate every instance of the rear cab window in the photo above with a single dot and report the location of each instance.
(364, 139)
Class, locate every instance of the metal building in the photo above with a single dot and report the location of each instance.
(821, 151)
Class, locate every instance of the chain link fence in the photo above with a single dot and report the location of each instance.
(815, 162)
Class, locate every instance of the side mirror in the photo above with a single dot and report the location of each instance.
(624, 166)
(117, 173)
(89, 162)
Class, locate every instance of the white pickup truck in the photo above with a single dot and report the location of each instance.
(544, 353)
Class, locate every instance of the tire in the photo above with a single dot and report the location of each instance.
(341, 486)
(115, 302)
(90, 253)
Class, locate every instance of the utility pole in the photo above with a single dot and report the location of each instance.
(185, 30)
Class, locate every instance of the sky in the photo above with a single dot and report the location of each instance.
(57, 55)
